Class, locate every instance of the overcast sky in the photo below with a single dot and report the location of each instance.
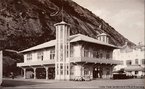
(126, 16)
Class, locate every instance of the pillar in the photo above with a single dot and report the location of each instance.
(34, 73)
(24, 69)
(46, 68)
(82, 71)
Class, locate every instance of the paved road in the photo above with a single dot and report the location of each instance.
(99, 83)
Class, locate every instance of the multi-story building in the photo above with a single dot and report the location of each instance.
(69, 57)
(133, 59)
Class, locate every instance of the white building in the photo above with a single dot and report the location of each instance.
(133, 59)
(1, 63)
(70, 57)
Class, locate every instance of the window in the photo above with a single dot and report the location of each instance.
(29, 56)
(61, 69)
(71, 51)
(136, 72)
(95, 54)
(52, 54)
(86, 53)
(143, 61)
(40, 56)
(103, 37)
(61, 56)
(72, 70)
(57, 69)
(67, 69)
(61, 32)
(67, 50)
(61, 52)
(128, 62)
(101, 55)
(107, 56)
(136, 61)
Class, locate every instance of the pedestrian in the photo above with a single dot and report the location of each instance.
(12, 75)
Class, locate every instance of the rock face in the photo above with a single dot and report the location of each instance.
(25, 23)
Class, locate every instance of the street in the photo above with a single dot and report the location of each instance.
(99, 83)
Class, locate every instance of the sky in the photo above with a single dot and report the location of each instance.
(126, 16)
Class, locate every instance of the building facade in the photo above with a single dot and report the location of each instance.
(70, 57)
(133, 59)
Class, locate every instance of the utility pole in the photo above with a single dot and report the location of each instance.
(1, 66)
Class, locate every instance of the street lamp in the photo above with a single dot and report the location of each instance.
(1, 65)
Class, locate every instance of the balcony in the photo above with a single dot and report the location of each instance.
(36, 63)
(95, 60)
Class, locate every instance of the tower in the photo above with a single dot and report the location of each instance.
(62, 51)
(103, 37)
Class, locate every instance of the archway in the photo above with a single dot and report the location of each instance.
(51, 73)
(40, 73)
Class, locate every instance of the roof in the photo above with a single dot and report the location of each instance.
(41, 46)
(102, 34)
(73, 38)
(140, 46)
(61, 23)
(81, 37)
(134, 68)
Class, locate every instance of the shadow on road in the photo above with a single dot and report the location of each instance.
(14, 83)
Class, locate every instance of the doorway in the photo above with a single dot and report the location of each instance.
(51, 73)
(97, 72)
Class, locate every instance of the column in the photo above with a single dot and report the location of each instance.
(24, 69)
(34, 73)
(46, 68)
(82, 71)
(111, 70)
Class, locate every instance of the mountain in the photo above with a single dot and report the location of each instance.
(26, 23)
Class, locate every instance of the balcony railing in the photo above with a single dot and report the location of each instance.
(95, 60)
(33, 63)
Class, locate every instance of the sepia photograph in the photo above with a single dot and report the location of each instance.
(93, 44)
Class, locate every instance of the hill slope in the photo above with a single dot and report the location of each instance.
(25, 23)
